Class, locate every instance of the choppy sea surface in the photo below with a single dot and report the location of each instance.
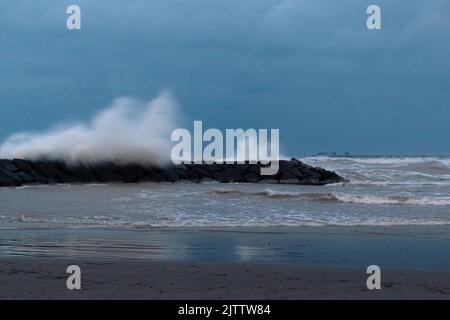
(383, 191)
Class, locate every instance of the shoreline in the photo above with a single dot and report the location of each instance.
(305, 263)
(409, 247)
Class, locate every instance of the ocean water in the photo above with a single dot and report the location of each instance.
(382, 191)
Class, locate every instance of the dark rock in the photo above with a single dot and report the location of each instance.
(171, 174)
(286, 166)
(311, 181)
(216, 167)
(23, 165)
(45, 169)
(26, 167)
(131, 172)
(17, 172)
(202, 172)
(271, 178)
(84, 173)
(26, 178)
(288, 178)
(192, 175)
(52, 172)
(252, 177)
(153, 175)
(6, 181)
(12, 178)
(180, 171)
(295, 172)
(228, 175)
(8, 165)
(108, 172)
(310, 177)
(254, 168)
(61, 174)
(242, 166)
(310, 173)
(180, 167)
(297, 162)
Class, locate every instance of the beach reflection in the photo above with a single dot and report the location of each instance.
(331, 246)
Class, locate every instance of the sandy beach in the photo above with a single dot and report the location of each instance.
(300, 263)
(23, 278)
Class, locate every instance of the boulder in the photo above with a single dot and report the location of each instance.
(228, 175)
(252, 177)
(26, 178)
(171, 174)
(153, 175)
(254, 168)
(108, 172)
(288, 178)
(23, 165)
(8, 165)
(84, 173)
(131, 172)
(6, 181)
(192, 175)
(202, 172)
(10, 178)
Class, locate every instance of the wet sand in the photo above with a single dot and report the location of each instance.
(25, 278)
(405, 247)
(280, 263)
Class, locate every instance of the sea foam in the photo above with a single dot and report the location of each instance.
(127, 131)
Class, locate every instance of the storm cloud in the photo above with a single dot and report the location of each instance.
(310, 68)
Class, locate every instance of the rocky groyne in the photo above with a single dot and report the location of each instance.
(19, 172)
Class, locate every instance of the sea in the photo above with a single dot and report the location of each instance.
(85, 219)
(380, 191)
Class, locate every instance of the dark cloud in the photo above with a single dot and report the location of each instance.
(310, 68)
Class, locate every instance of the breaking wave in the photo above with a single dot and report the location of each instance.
(290, 220)
(389, 171)
(442, 162)
(340, 197)
(127, 131)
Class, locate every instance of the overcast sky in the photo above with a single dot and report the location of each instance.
(308, 67)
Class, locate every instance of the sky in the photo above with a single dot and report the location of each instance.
(308, 67)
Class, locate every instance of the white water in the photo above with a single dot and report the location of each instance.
(127, 131)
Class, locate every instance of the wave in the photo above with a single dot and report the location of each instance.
(265, 193)
(128, 131)
(341, 198)
(82, 221)
(432, 161)
(386, 177)
(368, 199)
(387, 171)
(433, 165)
(277, 220)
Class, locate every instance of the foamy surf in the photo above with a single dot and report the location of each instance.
(249, 221)
(378, 195)
(388, 161)
(389, 171)
(338, 197)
